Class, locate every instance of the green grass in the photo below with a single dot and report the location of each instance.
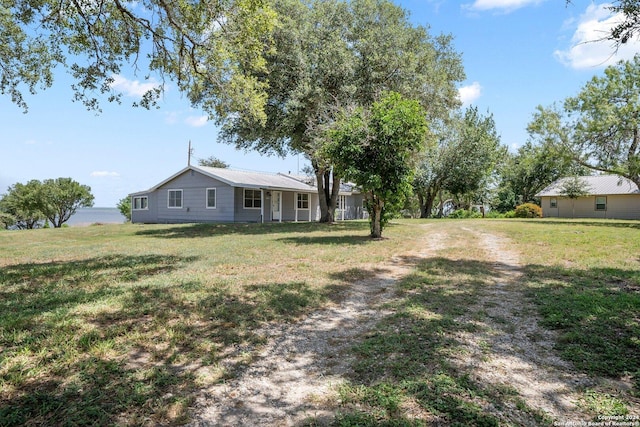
(123, 324)
(584, 276)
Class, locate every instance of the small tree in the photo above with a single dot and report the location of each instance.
(60, 198)
(574, 188)
(213, 162)
(376, 149)
(124, 206)
(21, 205)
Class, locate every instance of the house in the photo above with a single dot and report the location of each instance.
(205, 194)
(609, 196)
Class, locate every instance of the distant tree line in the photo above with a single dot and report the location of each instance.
(39, 203)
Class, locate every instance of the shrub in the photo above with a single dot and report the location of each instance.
(463, 213)
(494, 214)
(528, 210)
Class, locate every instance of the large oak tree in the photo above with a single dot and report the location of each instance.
(200, 45)
(332, 55)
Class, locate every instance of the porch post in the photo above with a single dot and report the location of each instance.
(295, 204)
(280, 206)
(262, 206)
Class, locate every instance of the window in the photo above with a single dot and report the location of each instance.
(211, 198)
(303, 201)
(601, 203)
(252, 199)
(175, 199)
(140, 203)
(553, 202)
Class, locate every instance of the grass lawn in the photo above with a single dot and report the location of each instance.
(121, 324)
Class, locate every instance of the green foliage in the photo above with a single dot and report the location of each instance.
(574, 187)
(61, 197)
(376, 149)
(213, 162)
(528, 210)
(6, 220)
(464, 213)
(535, 166)
(22, 203)
(124, 206)
(202, 46)
(331, 55)
(463, 162)
(54, 200)
(628, 28)
(601, 125)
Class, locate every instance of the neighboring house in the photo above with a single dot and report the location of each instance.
(609, 196)
(205, 194)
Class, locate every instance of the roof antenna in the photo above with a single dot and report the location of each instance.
(189, 155)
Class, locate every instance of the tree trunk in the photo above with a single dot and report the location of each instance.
(426, 202)
(328, 190)
(375, 217)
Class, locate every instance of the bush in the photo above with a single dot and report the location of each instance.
(494, 214)
(528, 210)
(463, 213)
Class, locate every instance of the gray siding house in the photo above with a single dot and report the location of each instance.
(204, 194)
(610, 196)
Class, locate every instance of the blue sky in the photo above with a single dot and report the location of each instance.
(517, 54)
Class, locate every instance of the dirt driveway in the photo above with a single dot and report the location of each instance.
(294, 377)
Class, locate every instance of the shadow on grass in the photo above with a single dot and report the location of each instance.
(406, 369)
(139, 362)
(53, 370)
(595, 312)
(210, 230)
(31, 289)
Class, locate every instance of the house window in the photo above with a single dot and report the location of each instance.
(140, 203)
(303, 201)
(601, 203)
(553, 202)
(175, 199)
(211, 198)
(252, 199)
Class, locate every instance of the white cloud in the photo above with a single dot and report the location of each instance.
(589, 47)
(132, 87)
(501, 5)
(470, 93)
(102, 174)
(171, 117)
(196, 121)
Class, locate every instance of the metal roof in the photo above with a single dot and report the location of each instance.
(239, 178)
(246, 179)
(597, 185)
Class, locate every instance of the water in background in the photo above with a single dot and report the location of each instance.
(88, 216)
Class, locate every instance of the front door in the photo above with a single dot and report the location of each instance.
(276, 203)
